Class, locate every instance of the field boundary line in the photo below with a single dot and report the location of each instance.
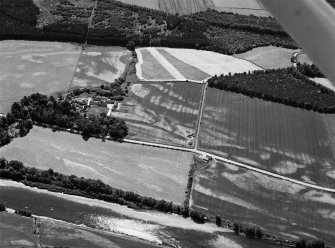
(201, 110)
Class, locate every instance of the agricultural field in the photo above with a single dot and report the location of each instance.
(242, 7)
(100, 65)
(28, 67)
(157, 173)
(186, 64)
(252, 199)
(162, 112)
(270, 57)
(325, 82)
(183, 7)
(271, 136)
(15, 231)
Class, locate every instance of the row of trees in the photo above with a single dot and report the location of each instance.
(286, 86)
(54, 181)
(48, 110)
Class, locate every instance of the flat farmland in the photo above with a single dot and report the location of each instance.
(28, 67)
(243, 7)
(270, 57)
(162, 112)
(278, 206)
(157, 64)
(100, 65)
(158, 173)
(289, 141)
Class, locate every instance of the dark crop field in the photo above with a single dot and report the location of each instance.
(278, 206)
(285, 140)
(162, 112)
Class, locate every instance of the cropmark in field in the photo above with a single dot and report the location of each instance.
(100, 65)
(148, 171)
(289, 141)
(28, 67)
(162, 112)
(164, 64)
(252, 199)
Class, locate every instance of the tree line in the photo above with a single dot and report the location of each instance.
(287, 86)
(115, 23)
(96, 189)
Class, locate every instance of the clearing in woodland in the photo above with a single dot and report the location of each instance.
(164, 113)
(270, 57)
(253, 199)
(157, 64)
(285, 140)
(157, 173)
(28, 67)
(100, 65)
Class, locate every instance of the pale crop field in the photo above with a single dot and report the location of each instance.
(182, 7)
(162, 112)
(249, 198)
(289, 141)
(100, 65)
(187, 64)
(28, 67)
(158, 173)
(270, 57)
(243, 7)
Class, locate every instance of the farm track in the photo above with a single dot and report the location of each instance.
(221, 159)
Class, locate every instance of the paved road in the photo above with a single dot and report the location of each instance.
(248, 167)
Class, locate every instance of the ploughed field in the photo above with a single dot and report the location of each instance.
(100, 65)
(289, 141)
(157, 173)
(28, 67)
(164, 113)
(164, 64)
(277, 206)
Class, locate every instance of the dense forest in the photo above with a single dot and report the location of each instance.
(311, 71)
(116, 23)
(286, 86)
